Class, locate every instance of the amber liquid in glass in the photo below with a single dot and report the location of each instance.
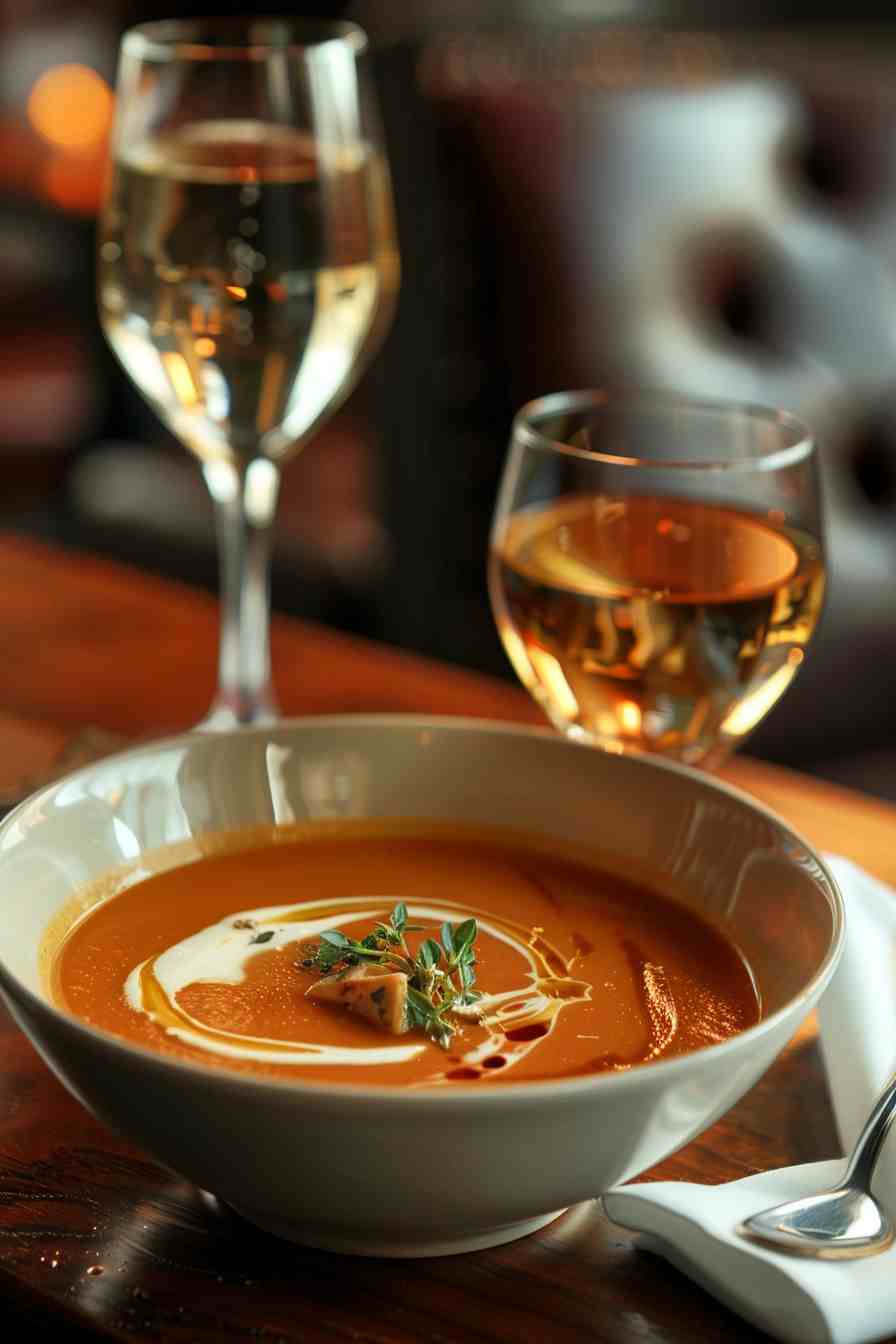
(653, 624)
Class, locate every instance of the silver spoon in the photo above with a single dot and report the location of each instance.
(843, 1223)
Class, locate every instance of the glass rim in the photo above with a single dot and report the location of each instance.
(525, 431)
(186, 39)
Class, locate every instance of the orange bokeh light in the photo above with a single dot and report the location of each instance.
(629, 716)
(71, 107)
(73, 182)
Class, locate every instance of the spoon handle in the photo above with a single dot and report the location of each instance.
(863, 1158)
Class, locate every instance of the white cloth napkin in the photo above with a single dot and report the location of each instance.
(810, 1301)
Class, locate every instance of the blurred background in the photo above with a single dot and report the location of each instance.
(682, 195)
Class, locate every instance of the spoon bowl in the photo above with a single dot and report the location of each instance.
(844, 1223)
(841, 1224)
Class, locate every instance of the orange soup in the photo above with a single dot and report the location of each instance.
(572, 970)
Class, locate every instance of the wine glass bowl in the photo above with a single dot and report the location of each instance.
(247, 270)
(656, 567)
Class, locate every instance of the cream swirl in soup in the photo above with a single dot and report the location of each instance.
(220, 955)
(579, 971)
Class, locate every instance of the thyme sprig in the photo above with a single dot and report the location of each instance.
(441, 975)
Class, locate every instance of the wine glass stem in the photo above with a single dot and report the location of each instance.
(245, 498)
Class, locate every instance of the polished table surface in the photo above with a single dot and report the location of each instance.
(96, 1242)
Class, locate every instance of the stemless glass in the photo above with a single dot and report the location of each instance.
(247, 270)
(656, 567)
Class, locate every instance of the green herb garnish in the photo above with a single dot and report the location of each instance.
(440, 976)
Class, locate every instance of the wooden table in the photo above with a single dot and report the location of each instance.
(96, 1242)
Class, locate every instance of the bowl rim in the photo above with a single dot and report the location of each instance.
(338, 1094)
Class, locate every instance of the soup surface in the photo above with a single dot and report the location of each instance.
(579, 971)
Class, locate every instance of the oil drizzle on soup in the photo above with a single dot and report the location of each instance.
(222, 953)
(580, 970)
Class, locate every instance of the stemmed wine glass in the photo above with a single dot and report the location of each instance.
(247, 270)
(656, 567)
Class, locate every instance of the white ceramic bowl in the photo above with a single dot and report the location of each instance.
(381, 1171)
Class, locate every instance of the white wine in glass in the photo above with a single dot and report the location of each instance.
(657, 568)
(247, 271)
